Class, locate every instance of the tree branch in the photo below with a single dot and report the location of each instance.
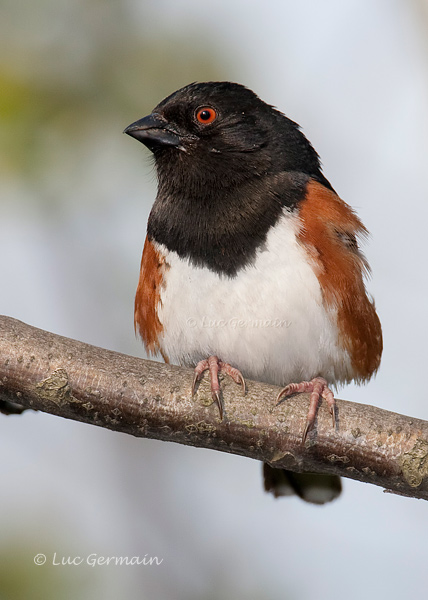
(63, 377)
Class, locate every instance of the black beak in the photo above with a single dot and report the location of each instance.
(153, 131)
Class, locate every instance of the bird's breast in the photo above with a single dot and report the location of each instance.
(268, 320)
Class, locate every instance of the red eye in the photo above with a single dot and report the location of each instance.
(206, 115)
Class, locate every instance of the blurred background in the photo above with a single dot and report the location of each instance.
(75, 196)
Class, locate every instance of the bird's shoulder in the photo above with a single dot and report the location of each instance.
(330, 232)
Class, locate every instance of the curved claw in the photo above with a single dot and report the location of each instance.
(333, 415)
(200, 368)
(234, 373)
(196, 377)
(307, 429)
(242, 382)
(282, 394)
(216, 396)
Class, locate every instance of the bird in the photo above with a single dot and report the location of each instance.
(246, 226)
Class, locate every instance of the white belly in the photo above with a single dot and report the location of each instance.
(268, 321)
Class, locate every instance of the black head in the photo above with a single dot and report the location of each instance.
(228, 164)
(222, 131)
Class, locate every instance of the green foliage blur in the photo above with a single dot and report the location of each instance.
(71, 69)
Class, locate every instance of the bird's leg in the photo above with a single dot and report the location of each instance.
(215, 366)
(318, 388)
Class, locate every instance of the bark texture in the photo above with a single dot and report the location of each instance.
(67, 378)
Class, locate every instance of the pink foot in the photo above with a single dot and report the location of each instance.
(215, 366)
(319, 389)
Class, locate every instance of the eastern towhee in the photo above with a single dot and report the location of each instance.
(251, 259)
